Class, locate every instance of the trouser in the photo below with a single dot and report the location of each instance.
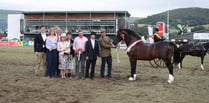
(107, 60)
(41, 63)
(92, 63)
(80, 65)
(51, 63)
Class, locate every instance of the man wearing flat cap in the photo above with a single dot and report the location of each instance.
(105, 54)
(92, 52)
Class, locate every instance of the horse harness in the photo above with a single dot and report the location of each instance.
(132, 45)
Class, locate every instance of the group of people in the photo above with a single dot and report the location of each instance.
(55, 52)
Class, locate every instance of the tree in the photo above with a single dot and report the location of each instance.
(198, 28)
(143, 31)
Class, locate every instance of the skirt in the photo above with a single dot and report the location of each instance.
(63, 61)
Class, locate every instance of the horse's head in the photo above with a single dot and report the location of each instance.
(126, 35)
(206, 45)
(121, 35)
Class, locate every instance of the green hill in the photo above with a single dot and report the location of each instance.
(196, 18)
(185, 16)
(133, 19)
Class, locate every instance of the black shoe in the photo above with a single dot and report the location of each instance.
(69, 75)
(58, 75)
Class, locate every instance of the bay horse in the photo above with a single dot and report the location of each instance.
(137, 50)
(193, 50)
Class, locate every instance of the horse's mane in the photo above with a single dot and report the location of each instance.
(131, 32)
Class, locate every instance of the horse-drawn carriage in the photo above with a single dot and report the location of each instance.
(157, 63)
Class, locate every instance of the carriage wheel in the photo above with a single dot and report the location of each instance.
(160, 63)
(153, 64)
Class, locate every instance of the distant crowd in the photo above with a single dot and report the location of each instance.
(56, 51)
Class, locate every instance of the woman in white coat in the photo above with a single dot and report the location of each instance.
(64, 51)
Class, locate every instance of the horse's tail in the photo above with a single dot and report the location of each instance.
(176, 56)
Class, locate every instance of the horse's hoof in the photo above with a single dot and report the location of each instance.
(131, 79)
(202, 67)
(135, 76)
(179, 65)
(170, 79)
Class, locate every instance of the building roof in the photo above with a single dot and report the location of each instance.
(123, 13)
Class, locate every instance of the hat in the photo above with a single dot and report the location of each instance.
(102, 30)
(63, 35)
(156, 29)
(93, 33)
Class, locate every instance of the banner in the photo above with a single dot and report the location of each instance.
(13, 43)
(20, 43)
(4, 43)
(9, 43)
(150, 30)
(203, 36)
(30, 43)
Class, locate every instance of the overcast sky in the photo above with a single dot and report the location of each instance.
(137, 8)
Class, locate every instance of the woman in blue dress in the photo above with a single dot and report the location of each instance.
(51, 45)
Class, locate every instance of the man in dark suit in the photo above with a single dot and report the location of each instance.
(92, 52)
(40, 50)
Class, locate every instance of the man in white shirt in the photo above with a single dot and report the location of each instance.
(79, 48)
(92, 52)
(40, 50)
(43, 35)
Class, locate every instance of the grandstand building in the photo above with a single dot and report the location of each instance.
(86, 21)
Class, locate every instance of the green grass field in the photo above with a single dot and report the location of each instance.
(19, 85)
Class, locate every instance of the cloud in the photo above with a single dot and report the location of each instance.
(135, 7)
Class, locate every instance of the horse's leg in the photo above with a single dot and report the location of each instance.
(202, 60)
(133, 63)
(181, 60)
(170, 69)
